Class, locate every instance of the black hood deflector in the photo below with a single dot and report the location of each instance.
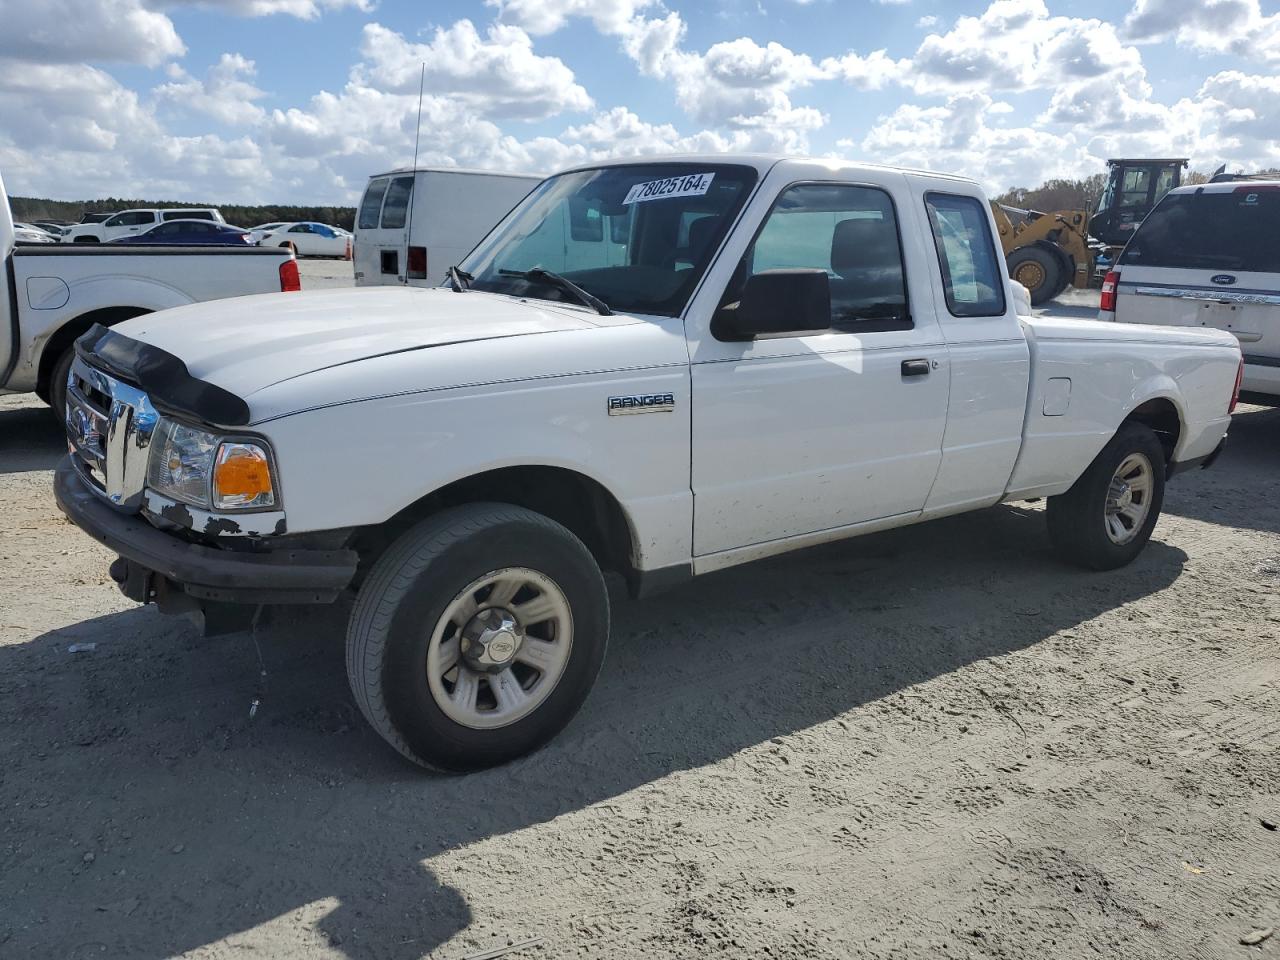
(163, 377)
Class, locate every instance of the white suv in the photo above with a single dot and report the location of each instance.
(127, 223)
(1209, 256)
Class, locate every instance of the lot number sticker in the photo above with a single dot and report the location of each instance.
(692, 185)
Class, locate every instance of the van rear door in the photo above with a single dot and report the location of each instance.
(382, 231)
(1209, 258)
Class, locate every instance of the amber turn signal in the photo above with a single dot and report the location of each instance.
(242, 477)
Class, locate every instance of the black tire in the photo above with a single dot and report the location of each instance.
(406, 594)
(1078, 518)
(1037, 270)
(57, 389)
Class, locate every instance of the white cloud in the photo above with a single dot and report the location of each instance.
(497, 75)
(75, 131)
(1016, 45)
(873, 72)
(227, 93)
(303, 9)
(74, 31)
(960, 137)
(1236, 27)
(924, 23)
(541, 17)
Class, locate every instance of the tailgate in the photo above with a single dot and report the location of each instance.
(1246, 305)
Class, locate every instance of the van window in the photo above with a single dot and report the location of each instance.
(371, 205)
(395, 208)
(1235, 230)
(972, 274)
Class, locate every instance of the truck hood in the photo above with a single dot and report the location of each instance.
(246, 344)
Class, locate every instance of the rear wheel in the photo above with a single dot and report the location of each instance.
(477, 636)
(1107, 516)
(58, 383)
(1038, 271)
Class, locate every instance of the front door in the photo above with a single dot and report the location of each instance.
(813, 430)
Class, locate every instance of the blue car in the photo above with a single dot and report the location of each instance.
(191, 232)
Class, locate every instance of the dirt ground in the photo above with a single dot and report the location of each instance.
(933, 742)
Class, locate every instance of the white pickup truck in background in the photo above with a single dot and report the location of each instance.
(129, 223)
(51, 294)
(749, 356)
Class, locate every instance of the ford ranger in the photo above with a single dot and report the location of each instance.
(658, 368)
(50, 295)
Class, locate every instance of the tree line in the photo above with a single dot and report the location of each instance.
(35, 208)
(1059, 194)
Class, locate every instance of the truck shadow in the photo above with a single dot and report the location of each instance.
(204, 824)
(29, 437)
(1239, 489)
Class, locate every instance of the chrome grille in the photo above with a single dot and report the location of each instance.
(109, 427)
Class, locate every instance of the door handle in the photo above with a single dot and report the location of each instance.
(915, 368)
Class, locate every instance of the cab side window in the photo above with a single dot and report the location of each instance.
(972, 275)
(850, 233)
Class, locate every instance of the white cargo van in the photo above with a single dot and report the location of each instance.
(1209, 256)
(452, 210)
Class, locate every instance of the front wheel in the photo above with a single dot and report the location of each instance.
(1107, 516)
(1038, 271)
(477, 636)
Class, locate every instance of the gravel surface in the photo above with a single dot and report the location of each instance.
(937, 742)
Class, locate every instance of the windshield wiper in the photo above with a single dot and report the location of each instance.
(538, 275)
(459, 279)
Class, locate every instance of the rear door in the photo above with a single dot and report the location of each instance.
(1209, 258)
(381, 234)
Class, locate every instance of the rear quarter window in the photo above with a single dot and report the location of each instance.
(371, 205)
(1236, 230)
(395, 209)
(972, 273)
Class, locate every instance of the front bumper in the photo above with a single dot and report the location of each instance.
(157, 563)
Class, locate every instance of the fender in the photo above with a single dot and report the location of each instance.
(40, 328)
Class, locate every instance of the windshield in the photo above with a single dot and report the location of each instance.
(1211, 231)
(639, 237)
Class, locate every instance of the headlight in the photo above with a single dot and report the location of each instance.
(200, 468)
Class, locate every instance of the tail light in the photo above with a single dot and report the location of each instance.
(1235, 393)
(416, 268)
(1109, 284)
(289, 279)
(350, 250)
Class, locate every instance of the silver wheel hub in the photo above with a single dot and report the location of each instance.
(1129, 498)
(491, 639)
(499, 648)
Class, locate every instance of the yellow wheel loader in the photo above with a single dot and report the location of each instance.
(1048, 252)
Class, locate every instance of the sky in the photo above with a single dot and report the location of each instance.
(299, 101)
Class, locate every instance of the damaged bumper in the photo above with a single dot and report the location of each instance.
(158, 567)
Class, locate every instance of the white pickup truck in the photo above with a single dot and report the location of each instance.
(51, 294)
(752, 355)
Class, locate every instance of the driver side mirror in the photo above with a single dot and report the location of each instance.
(777, 302)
